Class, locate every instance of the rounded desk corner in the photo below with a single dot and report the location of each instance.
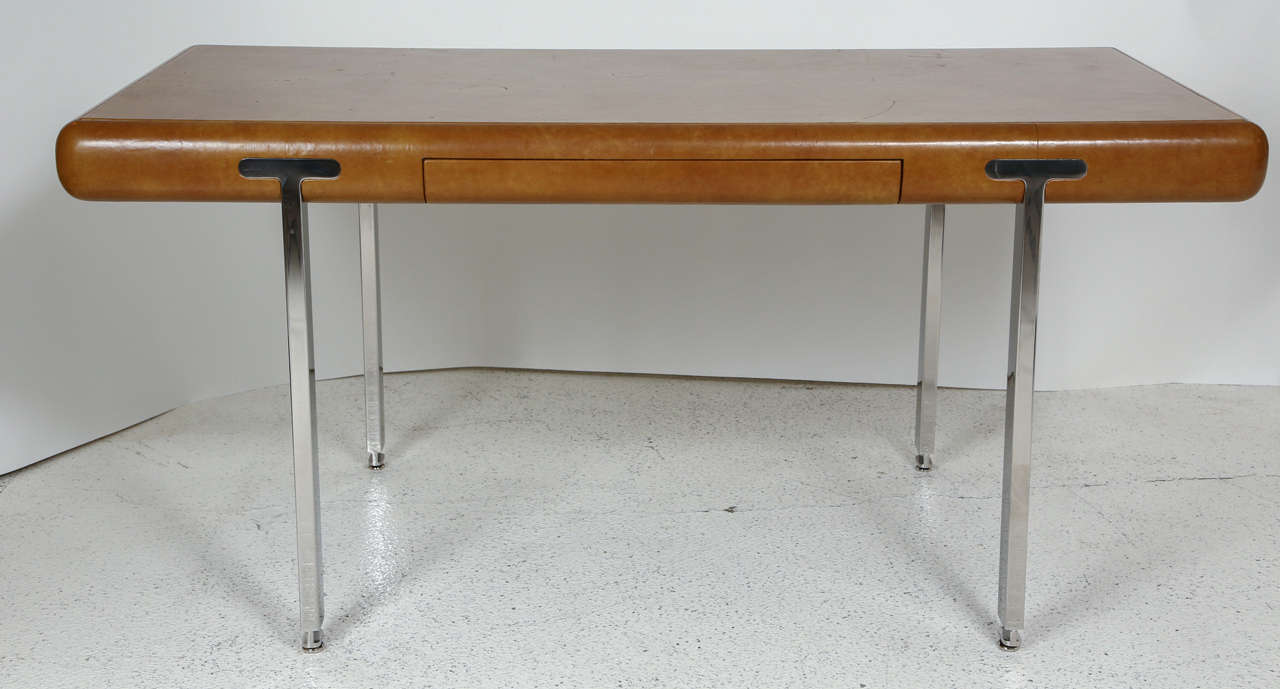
(1255, 141)
(1244, 154)
(66, 150)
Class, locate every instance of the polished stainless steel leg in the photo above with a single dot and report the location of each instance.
(371, 308)
(930, 331)
(1014, 512)
(302, 377)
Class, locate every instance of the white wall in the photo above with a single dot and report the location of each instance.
(115, 312)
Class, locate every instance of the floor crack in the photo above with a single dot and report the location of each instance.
(1098, 511)
(650, 444)
(1209, 478)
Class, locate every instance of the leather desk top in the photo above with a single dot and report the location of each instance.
(850, 126)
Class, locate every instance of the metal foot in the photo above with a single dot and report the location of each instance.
(930, 332)
(1014, 504)
(312, 641)
(302, 375)
(371, 324)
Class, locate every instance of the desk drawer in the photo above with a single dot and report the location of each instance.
(459, 180)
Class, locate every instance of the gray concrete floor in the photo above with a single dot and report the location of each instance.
(546, 529)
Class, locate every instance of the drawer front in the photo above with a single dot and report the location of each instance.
(458, 180)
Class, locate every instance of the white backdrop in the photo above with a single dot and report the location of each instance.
(115, 312)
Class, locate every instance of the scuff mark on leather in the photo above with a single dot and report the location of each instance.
(877, 114)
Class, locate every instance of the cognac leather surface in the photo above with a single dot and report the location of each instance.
(544, 125)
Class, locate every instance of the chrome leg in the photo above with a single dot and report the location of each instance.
(371, 308)
(930, 331)
(1014, 507)
(302, 377)
(1017, 422)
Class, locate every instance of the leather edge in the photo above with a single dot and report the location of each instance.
(167, 160)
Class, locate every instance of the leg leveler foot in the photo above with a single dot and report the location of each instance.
(312, 641)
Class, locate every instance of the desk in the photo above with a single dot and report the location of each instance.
(932, 127)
